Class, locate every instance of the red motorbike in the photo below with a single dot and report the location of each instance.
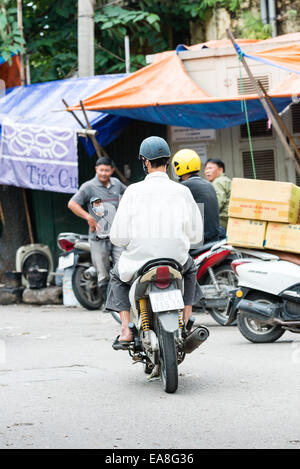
(215, 277)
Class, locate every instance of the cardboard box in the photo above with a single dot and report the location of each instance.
(264, 200)
(246, 233)
(283, 237)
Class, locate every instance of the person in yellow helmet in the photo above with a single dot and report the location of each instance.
(187, 164)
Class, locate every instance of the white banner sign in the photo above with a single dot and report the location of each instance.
(200, 148)
(187, 134)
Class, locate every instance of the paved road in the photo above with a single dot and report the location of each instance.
(63, 386)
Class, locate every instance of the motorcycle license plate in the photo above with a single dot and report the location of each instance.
(66, 261)
(166, 300)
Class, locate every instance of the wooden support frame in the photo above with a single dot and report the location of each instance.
(100, 151)
(281, 122)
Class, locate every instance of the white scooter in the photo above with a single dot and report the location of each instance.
(267, 301)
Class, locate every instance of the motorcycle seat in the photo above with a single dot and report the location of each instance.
(156, 262)
(201, 249)
(287, 256)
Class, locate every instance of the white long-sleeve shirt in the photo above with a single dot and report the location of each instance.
(155, 218)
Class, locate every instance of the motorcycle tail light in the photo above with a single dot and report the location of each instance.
(66, 245)
(237, 263)
(162, 279)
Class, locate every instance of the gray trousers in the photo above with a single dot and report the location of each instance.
(118, 291)
(101, 250)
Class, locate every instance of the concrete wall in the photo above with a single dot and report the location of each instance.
(219, 73)
(217, 20)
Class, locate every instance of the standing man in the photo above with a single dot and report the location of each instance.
(101, 195)
(186, 165)
(215, 173)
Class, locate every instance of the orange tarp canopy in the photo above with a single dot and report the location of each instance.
(287, 57)
(163, 92)
(163, 82)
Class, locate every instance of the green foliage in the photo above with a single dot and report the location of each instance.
(50, 31)
(11, 40)
(112, 24)
(254, 28)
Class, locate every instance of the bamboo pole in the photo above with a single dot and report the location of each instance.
(265, 105)
(99, 149)
(28, 217)
(73, 114)
(93, 138)
(97, 146)
(281, 122)
(2, 218)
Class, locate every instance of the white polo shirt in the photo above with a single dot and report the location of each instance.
(155, 218)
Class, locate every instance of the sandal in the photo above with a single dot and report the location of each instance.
(120, 344)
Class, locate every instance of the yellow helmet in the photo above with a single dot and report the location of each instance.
(186, 161)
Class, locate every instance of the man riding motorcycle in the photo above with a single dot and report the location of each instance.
(156, 218)
(187, 164)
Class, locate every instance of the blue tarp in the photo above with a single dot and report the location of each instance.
(41, 104)
(285, 57)
(212, 115)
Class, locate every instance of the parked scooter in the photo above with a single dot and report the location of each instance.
(77, 254)
(160, 338)
(215, 277)
(267, 301)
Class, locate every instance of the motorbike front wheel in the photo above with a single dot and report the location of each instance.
(168, 360)
(224, 275)
(86, 289)
(257, 331)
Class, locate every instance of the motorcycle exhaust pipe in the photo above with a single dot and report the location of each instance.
(195, 339)
(91, 272)
(259, 311)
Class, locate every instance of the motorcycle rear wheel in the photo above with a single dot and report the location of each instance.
(168, 361)
(259, 332)
(86, 290)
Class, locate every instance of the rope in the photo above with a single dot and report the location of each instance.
(244, 108)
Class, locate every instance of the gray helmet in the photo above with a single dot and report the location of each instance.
(153, 148)
(93, 199)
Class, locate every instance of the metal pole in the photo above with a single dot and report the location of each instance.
(272, 17)
(263, 11)
(85, 27)
(28, 77)
(20, 24)
(265, 105)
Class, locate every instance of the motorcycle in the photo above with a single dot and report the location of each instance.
(267, 300)
(213, 260)
(215, 277)
(160, 338)
(77, 254)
